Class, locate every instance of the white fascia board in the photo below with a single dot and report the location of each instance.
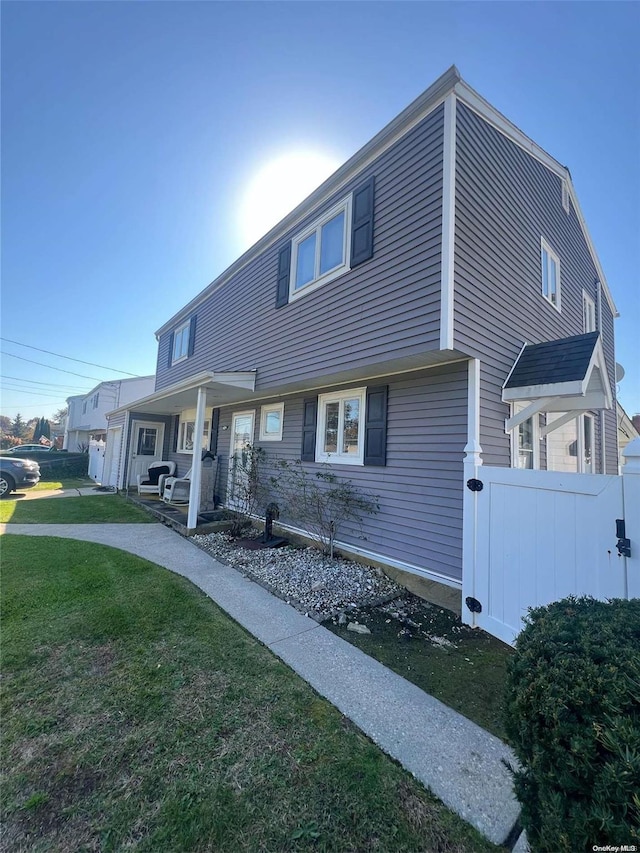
(597, 360)
(483, 108)
(553, 389)
(513, 366)
(239, 379)
(591, 401)
(448, 223)
(412, 115)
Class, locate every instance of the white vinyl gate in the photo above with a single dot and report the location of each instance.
(96, 459)
(533, 537)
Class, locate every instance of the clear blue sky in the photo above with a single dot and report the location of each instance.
(130, 130)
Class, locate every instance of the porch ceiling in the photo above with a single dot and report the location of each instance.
(220, 388)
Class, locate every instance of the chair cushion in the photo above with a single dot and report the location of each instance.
(155, 473)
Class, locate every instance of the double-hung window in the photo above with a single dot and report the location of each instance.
(588, 313)
(550, 274)
(186, 434)
(340, 436)
(181, 342)
(321, 251)
(271, 418)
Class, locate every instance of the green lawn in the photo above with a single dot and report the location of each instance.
(90, 509)
(137, 716)
(63, 483)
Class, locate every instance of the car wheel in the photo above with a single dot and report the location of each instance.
(6, 485)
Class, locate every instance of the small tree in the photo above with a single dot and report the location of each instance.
(19, 428)
(320, 501)
(247, 487)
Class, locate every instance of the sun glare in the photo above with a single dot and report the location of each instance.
(278, 187)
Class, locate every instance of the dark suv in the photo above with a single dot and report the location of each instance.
(17, 474)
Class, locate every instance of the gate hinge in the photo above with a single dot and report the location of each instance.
(475, 485)
(473, 604)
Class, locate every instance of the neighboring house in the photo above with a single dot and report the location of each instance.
(87, 413)
(438, 296)
(627, 429)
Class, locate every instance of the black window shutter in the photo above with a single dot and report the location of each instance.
(309, 422)
(362, 222)
(176, 427)
(375, 426)
(284, 267)
(192, 336)
(215, 421)
(170, 358)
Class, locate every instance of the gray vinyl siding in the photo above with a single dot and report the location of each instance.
(386, 308)
(506, 200)
(420, 488)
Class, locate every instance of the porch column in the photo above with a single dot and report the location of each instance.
(196, 471)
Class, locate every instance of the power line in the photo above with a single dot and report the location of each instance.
(68, 357)
(48, 384)
(11, 355)
(35, 393)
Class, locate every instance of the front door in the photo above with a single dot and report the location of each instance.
(241, 435)
(146, 447)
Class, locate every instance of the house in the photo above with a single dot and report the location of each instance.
(627, 429)
(87, 413)
(437, 300)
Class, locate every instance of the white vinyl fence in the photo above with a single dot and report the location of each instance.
(533, 537)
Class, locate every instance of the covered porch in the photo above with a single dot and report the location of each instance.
(164, 427)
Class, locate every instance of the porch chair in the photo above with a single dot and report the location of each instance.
(176, 489)
(152, 483)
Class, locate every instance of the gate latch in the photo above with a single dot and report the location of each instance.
(623, 544)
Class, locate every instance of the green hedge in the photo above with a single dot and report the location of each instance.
(573, 719)
(56, 465)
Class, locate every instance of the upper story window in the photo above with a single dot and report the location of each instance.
(340, 436)
(181, 342)
(321, 251)
(94, 400)
(271, 420)
(588, 313)
(550, 274)
(334, 243)
(84, 408)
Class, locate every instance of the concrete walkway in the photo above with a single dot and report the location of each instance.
(34, 494)
(456, 759)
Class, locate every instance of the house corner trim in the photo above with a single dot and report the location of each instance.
(448, 222)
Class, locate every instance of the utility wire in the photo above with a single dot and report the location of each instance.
(95, 378)
(48, 384)
(68, 357)
(35, 393)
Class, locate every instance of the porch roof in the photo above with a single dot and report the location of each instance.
(221, 387)
(566, 375)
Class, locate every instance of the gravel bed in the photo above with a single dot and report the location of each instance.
(314, 584)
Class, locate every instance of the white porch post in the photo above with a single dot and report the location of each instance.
(472, 465)
(631, 503)
(196, 471)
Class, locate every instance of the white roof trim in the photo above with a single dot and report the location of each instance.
(244, 379)
(430, 99)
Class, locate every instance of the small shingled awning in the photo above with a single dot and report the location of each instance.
(567, 375)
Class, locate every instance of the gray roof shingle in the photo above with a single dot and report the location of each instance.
(564, 360)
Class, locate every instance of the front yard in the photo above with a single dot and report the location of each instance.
(94, 509)
(136, 715)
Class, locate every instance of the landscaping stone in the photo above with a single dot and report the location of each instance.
(357, 628)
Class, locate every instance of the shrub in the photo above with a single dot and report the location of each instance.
(320, 501)
(573, 719)
(55, 465)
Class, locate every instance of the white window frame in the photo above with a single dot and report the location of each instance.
(588, 310)
(582, 444)
(181, 343)
(545, 247)
(340, 397)
(189, 417)
(316, 226)
(515, 436)
(565, 196)
(265, 411)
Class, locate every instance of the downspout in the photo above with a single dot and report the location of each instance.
(603, 444)
(196, 470)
